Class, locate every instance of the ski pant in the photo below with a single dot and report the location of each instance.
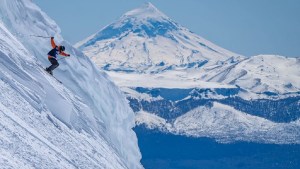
(54, 63)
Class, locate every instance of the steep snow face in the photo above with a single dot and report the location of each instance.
(83, 123)
(145, 38)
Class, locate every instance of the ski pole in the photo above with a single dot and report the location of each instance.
(39, 36)
(62, 58)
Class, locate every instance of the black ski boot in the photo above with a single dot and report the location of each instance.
(49, 71)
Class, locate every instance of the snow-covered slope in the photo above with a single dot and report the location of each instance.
(225, 124)
(260, 73)
(257, 74)
(146, 40)
(83, 123)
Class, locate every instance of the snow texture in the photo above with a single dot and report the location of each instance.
(225, 124)
(85, 122)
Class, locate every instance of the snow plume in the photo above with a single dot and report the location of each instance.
(85, 122)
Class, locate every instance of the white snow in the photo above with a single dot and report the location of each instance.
(225, 124)
(262, 73)
(170, 79)
(151, 121)
(85, 122)
(140, 96)
(136, 50)
(146, 11)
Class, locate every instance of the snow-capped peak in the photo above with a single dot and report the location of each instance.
(146, 11)
(146, 40)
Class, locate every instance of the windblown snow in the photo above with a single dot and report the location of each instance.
(85, 122)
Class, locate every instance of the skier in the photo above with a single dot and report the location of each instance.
(52, 55)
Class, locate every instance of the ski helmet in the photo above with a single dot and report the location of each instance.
(62, 48)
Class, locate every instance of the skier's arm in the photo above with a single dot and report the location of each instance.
(64, 54)
(53, 43)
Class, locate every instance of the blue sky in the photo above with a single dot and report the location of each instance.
(248, 27)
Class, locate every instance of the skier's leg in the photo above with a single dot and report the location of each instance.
(54, 65)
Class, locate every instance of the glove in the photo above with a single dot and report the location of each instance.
(52, 37)
(68, 55)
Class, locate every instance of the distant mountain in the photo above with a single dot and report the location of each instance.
(146, 38)
(173, 78)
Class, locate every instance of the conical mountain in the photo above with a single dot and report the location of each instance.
(146, 38)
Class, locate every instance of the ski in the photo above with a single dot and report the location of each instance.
(57, 79)
(53, 77)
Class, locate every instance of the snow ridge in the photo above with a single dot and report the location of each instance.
(83, 123)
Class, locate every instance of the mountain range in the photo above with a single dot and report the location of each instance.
(180, 83)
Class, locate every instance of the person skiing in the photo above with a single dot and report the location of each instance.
(52, 56)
